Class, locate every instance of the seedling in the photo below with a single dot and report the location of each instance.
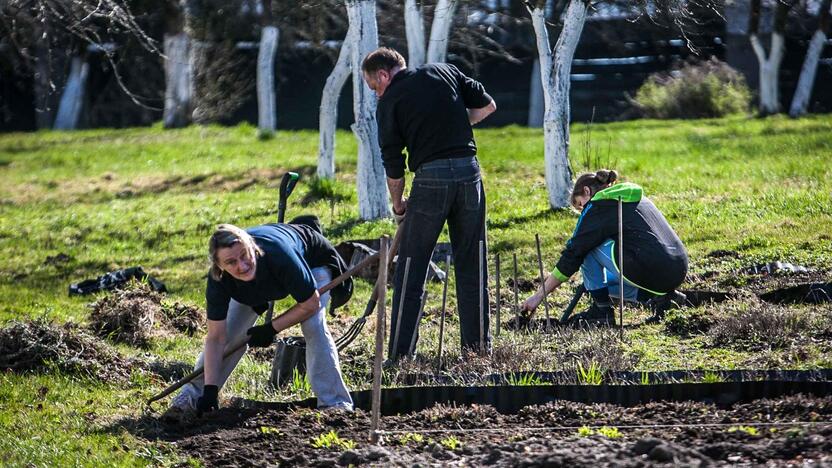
(451, 442)
(405, 439)
(645, 378)
(270, 431)
(752, 431)
(585, 431)
(609, 432)
(712, 377)
(331, 440)
(525, 380)
(300, 383)
(590, 376)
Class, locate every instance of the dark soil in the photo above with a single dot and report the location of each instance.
(701, 434)
(137, 314)
(40, 346)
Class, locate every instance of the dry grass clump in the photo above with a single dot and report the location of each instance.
(689, 321)
(137, 314)
(752, 324)
(40, 346)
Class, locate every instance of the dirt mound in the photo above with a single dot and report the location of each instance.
(40, 345)
(562, 433)
(137, 314)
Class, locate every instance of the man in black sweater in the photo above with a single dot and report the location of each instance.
(430, 112)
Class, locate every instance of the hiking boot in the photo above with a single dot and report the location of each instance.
(659, 305)
(598, 315)
(182, 407)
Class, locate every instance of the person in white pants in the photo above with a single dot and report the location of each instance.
(250, 270)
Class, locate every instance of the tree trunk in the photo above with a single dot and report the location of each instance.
(179, 85)
(372, 190)
(328, 117)
(769, 72)
(803, 92)
(72, 99)
(535, 97)
(440, 31)
(266, 113)
(555, 68)
(415, 30)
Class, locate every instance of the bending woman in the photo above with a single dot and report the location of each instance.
(250, 270)
(655, 260)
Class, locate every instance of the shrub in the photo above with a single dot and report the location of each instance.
(706, 89)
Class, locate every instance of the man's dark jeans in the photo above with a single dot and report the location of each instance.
(447, 189)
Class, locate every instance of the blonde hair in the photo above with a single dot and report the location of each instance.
(596, 181)
(226, 236)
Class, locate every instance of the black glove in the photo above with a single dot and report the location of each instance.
(262, 336)
(208, 401)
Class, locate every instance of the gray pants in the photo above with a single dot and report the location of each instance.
(322, 366)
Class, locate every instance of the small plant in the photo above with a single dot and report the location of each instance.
(409, 437)
(645, 378)
(585, 431)
(590, 376)
(752, 431)
(451, 442)
(331, 440)
(525, 380)
(270, 431)
(609, 432)
(712, 377)
(326, 189)
(300, 383)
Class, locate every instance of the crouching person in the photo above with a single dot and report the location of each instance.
(655, 260)
(250, 269)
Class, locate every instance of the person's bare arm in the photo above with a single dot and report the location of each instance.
(476, 116)
(396, 189)
(297, 313)
(550, 284)
(214, 346)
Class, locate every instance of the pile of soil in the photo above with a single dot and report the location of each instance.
(137, 314)
(689, 434)
(40, 345)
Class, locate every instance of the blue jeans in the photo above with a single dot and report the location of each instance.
(600, 271)
(443, 190)
(322, 364)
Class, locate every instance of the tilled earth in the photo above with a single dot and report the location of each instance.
(682, 433)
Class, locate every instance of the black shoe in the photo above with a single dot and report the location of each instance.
(599, 315)
(661, 304)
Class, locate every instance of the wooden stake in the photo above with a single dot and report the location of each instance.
(381, 286)
(542, 280)
(442, 316)
(395, 352)
(620, 269)
(497, 267)
(516, 297)
(412, 348)
(482, 300)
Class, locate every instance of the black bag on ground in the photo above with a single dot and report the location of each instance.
(113, 280)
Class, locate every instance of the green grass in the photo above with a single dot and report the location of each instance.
(110, 199)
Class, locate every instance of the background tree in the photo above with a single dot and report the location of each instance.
(769, 63)
(806, 82)
(328, 115)
(269, 34)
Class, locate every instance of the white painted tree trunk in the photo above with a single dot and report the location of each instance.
(535, 97)
(266, 112)
(371, 184)
(803, 92)
(555, 69)
(179, 86)
(72, 99)
(414, 27)
(440, 31)
(769, 71)
(328, 117)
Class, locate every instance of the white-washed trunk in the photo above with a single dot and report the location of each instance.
(371, 185)
(179, 84)
(555, 69)
(769, 71)
(414, 27)
(803, 92)
(535, 97)
(440, 30)
(266, 112)
(328, 117)
(72, 99)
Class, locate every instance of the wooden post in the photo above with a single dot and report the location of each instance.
(442, 316)
(516, 297)
(497, 267)
(412, 348)
(542, 280)
(395, 352)
(381, 285)
(482, 300)
(620, 269)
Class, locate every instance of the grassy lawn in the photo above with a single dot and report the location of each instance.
(108, 199)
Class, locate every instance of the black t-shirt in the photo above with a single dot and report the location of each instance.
(426, 111)
(289, 253)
